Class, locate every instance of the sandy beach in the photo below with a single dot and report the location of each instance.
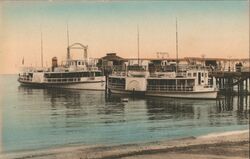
(231, 145)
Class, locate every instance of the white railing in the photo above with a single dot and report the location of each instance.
(61, 80)
(169, 88)
(181, 74)
(21, 78)
(208, 86)
(119, 73)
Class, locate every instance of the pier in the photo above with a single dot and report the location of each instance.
(232, 82)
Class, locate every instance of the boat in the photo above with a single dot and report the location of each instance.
(131, 81)
(74, 74)
(193, 83)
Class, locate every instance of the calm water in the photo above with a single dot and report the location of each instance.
(42, 118)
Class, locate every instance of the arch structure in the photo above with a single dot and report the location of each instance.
(78, 46)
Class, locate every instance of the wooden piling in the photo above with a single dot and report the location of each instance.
(246, 85)
(228, 80)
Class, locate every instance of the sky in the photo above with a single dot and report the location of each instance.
(209, 28)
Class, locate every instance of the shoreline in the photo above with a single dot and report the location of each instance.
(194, 146)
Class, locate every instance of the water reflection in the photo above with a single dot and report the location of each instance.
(230, 103)
(234, 107)
(162, 109)
(58, 117)
(76, 104)
(57, 97)
(82, 103)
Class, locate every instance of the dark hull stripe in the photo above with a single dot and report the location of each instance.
(68, 83)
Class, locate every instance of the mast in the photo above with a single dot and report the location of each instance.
(68, 52)
(68, 34)
(41, 48)
(138, 45)
(177, 60)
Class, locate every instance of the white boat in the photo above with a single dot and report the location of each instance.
(133, 82)
(75, 74)
(193, 83)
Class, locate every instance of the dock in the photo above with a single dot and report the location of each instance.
(232, 82)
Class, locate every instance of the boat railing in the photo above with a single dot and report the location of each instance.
(119, 73)
(169, 88)
(181, 74)
(197, 67)
(208, 86)
(163, 74)
(25, 78)
(138, 73)
(62, 80)
(116, 86)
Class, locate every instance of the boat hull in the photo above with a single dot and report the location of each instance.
(127, 92)
(97, 85)
(190, 95)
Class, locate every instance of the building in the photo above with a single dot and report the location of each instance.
(111, 62)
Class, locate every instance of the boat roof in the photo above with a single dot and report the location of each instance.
(170, 78)
(155, 78)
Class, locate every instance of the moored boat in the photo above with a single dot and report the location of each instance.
(193, 83)
(128, 82)
(74, 74)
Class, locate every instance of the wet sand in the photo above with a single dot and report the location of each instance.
(230, 145)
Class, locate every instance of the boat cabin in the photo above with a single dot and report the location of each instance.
(76, 64)
(190, 80)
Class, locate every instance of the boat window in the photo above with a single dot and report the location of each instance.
(205, 74)
(194, 74)
(92, 74)
(85, 74)
(190, 82)
(152, 82)
(53, 75)
(161, 82)
(121, 81)
(202, 74)
(199, 78)
(189, 74)
(79, 63)
(98, 74)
